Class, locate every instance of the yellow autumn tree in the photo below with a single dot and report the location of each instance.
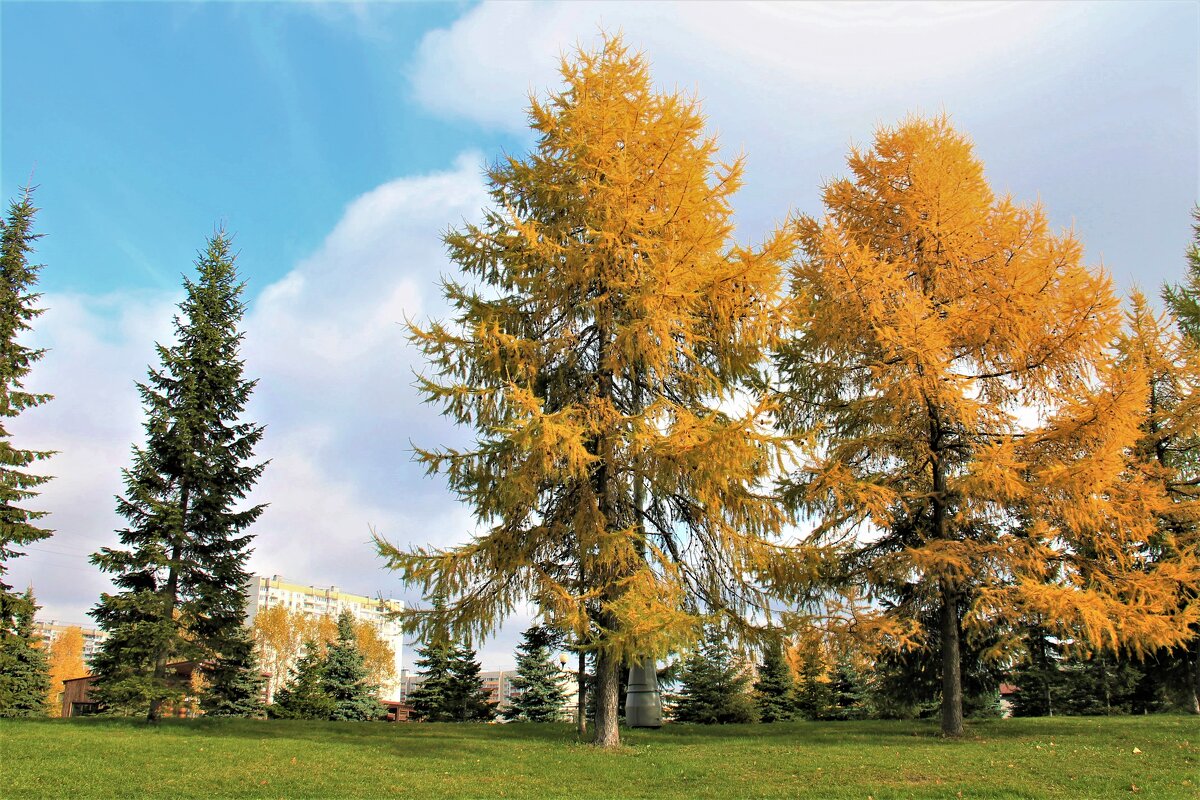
(66, 661)
(378, 656)
(279, 641)
(280, 635)
(605, 330)
(966, 435)
(1157, 350)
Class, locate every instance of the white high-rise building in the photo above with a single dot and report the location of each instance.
(51, 630)
(317, 601)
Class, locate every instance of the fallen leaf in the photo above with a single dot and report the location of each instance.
(1133, 787)
(1136, 751)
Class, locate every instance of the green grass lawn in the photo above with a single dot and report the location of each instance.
(1077, 758)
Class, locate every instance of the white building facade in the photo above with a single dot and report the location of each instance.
(51, 630)
(319, 601)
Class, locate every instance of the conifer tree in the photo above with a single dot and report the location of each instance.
(1184, 299)
(538, 692)
(181, 572)
(468, 700)
(18, 310)
(1165, 357)
(430, 700)
(847, 693)
(344, 677)
(933, 317)
(1099, 685)
(1038, 677)
(304, 696)
(812, 684)
(235, 683)
(602, 318)
(713, 686)
(24, 669)
(775, 688)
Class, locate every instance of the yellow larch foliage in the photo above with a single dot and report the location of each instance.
(605, 326)
(65, 657)
(967, 432)
(280, 635)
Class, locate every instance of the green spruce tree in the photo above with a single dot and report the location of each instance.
(1184, 298)
(1098, 684)
(468, 700)
(24, 669)
(847, 692)
(304, 695)
(812, 686)
(18, 309)
(235, 682)
(344, 678)
(775, 688)
(430, 700)
(1038, 677)
(713, 686)
(181, 572)
(538, 689)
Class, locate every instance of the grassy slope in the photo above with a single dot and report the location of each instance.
(1084, 758)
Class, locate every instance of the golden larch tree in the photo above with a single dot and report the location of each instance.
(966, 434)
(605, 331)
(378, 656)
(280, 635)
(1157, 349)
(66, 662)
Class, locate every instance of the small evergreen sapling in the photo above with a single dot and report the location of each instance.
(713, 685)
(775, 689)
(538, 691)
(235, 682)
(344, 678)
(304, 696)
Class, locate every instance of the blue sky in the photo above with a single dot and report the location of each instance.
(147, 123)
(338, 140)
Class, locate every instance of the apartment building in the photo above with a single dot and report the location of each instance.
(264, 592)
(52, 629)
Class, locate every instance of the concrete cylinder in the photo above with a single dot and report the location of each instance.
(643, 700)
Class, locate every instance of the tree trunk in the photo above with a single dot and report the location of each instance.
(608, 668)
(1193, 696)
(952, 713)
(952, 707)
(581, 701)
(171, 598)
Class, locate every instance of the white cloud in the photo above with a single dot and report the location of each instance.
(329, 344)
(98, 348)
(483, 66)
(1067, 102)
